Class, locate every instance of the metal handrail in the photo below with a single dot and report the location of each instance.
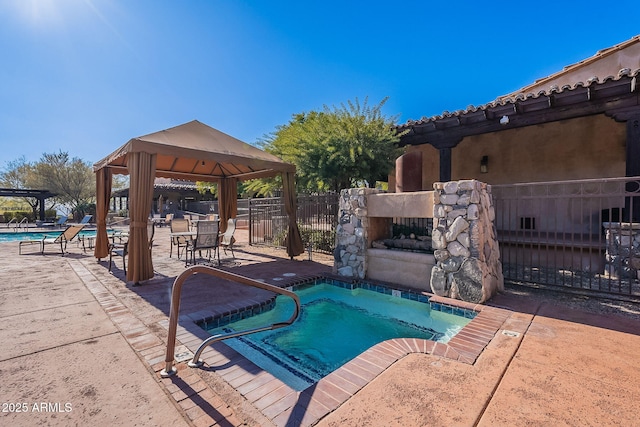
(169, 369)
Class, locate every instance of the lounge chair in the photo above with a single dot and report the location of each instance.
(59, 223)
(61, 239)
(207, 233)
(226, 239)
(122, 249)
(86, 219)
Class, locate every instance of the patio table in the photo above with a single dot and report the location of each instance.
(112, 235)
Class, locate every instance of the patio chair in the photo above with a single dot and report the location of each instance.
(61, 239)
(226, 239)
(206, 238)
(122, 249)
(178, 225)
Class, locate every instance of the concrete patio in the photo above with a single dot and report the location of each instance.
(84, 347)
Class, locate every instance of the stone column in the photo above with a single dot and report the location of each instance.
(465, 246)
(352, 233)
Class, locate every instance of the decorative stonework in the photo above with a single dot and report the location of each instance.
(623, 249)
(464, 239)
(467, 257)
(352, 233)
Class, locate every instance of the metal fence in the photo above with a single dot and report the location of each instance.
(209, 207)
(317, 220)
(577, 234)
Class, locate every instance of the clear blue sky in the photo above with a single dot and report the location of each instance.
(85, 76)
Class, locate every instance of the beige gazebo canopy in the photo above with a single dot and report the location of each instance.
(192, 151)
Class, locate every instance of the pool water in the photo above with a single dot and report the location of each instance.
(335, 325)
(38, 235)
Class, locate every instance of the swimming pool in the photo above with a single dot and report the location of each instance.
(38, 235)
(336, 324)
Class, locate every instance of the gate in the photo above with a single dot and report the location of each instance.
(317, 219)
(577, 234)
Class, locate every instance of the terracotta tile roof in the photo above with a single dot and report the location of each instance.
(526, 94)
(519, 97)
(585, 63)
(173, 184)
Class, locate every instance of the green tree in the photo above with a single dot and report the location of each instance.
(205, 187)
(72, 179)
(20, 174)
(340, 147)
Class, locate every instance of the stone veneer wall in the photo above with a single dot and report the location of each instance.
(467, 255)
(352, 233)
(623, 249)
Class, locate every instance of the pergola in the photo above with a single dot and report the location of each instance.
(41, 195)
(192, 151)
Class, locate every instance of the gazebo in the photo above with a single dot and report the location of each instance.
(192, 151)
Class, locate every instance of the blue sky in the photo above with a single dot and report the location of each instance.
(85, 76)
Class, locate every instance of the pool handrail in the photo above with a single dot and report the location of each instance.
(176, 289)
(24, 223)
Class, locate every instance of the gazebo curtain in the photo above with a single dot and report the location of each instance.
(103, 195)
(227, 201)
(142, 171)
(293, 241)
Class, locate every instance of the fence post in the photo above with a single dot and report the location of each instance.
(250, 223)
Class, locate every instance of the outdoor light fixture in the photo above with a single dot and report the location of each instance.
(504, 120)
(484, 164)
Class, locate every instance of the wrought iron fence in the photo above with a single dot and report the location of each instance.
(208, 207)
(317, 219)
(578, 234)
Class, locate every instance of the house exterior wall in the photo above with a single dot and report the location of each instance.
(587, 147)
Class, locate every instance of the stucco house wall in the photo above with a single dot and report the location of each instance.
(587, 147)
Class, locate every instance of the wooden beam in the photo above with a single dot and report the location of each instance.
(629, 104)
(445, 164)
(632, 204)
(633, 146)
(597, 98)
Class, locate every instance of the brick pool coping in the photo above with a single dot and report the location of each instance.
(276, 400)
(282, 404)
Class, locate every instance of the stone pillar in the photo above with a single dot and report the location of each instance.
(467, 255)
(352, 233)
(623, 250)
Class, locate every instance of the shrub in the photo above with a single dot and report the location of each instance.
(321, 240)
